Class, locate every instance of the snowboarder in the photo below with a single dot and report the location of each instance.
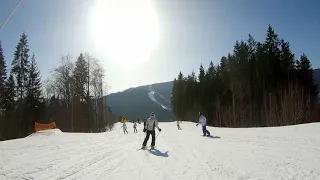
(179, 128)
(135, 127)
(203, 122)
(149, 128)
(124, 126)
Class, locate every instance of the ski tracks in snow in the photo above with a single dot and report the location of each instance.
(244, 154)
(151, 96)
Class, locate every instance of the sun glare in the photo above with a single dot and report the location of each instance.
(125, 30)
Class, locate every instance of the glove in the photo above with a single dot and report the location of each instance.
(159, 130)
(197, 124)
(144, 130)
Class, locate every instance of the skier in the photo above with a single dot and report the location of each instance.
(203, 121)
(124, 126)
(135, 127)
(149, 127)
(179, 128)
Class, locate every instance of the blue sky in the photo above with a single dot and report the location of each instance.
(191, 32)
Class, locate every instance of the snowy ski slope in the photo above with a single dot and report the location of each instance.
(291, 152)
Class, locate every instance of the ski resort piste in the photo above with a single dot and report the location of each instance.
(273, 153)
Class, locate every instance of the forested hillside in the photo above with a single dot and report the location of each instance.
(258, 84)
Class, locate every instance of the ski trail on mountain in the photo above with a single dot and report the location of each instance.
(151, 96)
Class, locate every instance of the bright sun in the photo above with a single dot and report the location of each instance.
(125, 30)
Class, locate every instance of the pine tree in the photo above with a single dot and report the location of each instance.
(3, 75)
(305, 74)
(190, 91)
(201, 86)
(287, 61)
(180, 95)
(80, 74)
(20, 65)
(201, 74)
(210, 91)
(9, 103)
(34, 84)
(174, 95)
(273, 57)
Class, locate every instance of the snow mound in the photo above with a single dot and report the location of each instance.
(48, 132)
(286, 153)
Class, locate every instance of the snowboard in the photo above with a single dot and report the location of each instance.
(211, 136)
(206, 136)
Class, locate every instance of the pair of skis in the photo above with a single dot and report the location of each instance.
(147, 148)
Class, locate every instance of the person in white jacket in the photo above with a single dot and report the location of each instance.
(149, 128)
(124, 126)
(203, 122)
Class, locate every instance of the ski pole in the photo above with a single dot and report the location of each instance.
(157, 135)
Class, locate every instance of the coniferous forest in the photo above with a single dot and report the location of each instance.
(72, 96)
(258, 84)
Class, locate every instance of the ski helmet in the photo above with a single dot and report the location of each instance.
(152, 114)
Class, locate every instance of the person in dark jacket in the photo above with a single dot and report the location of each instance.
(135, 127)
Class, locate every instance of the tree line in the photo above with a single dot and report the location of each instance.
(72, 96)
(258, 84)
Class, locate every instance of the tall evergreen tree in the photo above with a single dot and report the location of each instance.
(273, 57)
(201, 74)
(305, 74)
(80, 74)
(34, 84)
(174, 95)
(9, 102)
(20, 65)
(287, 57)
(3, 75)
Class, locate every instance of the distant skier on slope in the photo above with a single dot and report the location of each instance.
(178, 125)
(135, 127)
(124, 126)
(149, 128)
(203, 122)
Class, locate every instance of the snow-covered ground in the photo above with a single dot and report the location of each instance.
(291, 152)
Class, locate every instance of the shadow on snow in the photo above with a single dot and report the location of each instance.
(213, 137)
(156, 152)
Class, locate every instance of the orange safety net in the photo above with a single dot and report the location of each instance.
(40, 127)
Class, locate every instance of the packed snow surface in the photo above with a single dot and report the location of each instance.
(291, 152)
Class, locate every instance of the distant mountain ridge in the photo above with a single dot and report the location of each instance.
(138, 102)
